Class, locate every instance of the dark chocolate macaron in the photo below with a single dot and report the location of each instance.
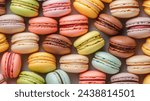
(2, 7)
(122, 46)
(108, 24)
(57, 44)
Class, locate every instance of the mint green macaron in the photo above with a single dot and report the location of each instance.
(27, 77)
(57, 77)
(106, 63)
(25, 8)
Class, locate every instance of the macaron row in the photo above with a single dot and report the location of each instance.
(89, 8)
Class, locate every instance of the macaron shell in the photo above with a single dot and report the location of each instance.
(4, 46)
(146, 5)
(146, 80)
(146, 47)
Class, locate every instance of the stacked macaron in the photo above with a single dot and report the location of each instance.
(69, 39)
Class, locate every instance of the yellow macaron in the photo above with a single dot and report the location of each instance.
(146, 47)
(42, 62)
(89, 8)
(89, 43)
(146, 5)
(147, 79)
(3, 43)
(107, 1)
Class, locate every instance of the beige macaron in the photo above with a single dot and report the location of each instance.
(139, 64)
(74, 63)
(25, 43)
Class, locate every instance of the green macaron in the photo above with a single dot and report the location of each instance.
(57, 77)
(27, 77)
(26, 8)
(106, 62)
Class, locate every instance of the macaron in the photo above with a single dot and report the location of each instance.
(4, 45)
(146, 47)
(92, 77)
(42, 25)
(89, 8)
(122, 46)
(89, 43)
(2, 79)
(147, 79)
(138, 64)
(25, 8)
(56, 8)
(27, 77)
(146, 5)
(25, 43)
(108, 24)
(106, 63)
(57, 44)
(124, 78)
(138, 27)
(124, 8)
(2, 7)
(41, 62)
(73, 25)
(74, 63)
(11, 65)
(57, 77)
(107, 1)
(10, 24)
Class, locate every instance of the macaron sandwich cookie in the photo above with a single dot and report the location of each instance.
(146, 47)
(74, 63)
(89, 8)
(106, 63)
(57, 44)
(89, 43)
(25, 8)
(25, 43)
(57, 77)
(2, 7)
(122, 46)
(146, 5)
(42, 25)
(10, 24)
(108, 24)
(4, 45)
(56, 8)
(138, 27)
(2, 79)
(41, 62)
(73, 25)
(27, 77)
(138, 64)
(11, 65)
(92, 77)
(124, 78)
(124, 8)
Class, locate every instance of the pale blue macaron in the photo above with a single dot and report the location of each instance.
(106, 63)
(57, 77)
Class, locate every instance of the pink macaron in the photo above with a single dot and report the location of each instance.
(73, 25)
(42, 25)
(2, 79)
(56, 8)
(11, 65)
(92, 77)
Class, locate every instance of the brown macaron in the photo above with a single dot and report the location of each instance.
(108, 24)
(2, 7)
(57, 44)
(122, 46)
